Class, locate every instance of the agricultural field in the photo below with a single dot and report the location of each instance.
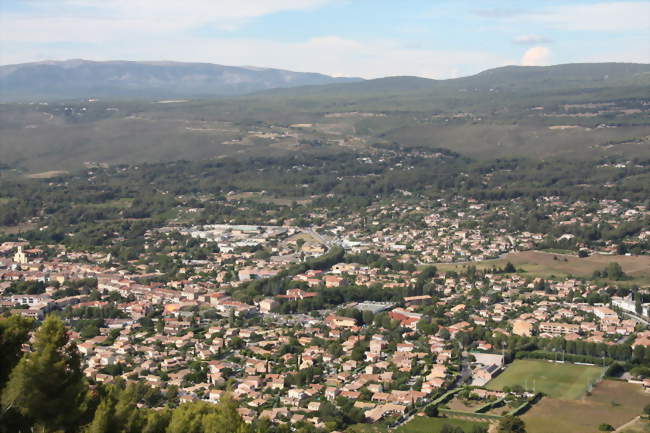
(425, 424)
(20, 228)
(634, 266)
(47, 174)
(637, 426)
(610, 402)
(561, 381)
(546, 264)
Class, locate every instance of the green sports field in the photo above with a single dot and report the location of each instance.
(562, 381)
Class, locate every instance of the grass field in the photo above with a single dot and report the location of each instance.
(12, 230)
(561, 381)
(611, 402)
(544, 264)
(639, 426)
(433, 425)
(47, 174)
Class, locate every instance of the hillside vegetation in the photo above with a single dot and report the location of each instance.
(581, 111)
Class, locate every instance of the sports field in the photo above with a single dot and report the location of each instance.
(562, 381)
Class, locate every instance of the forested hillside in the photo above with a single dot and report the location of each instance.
(583, 111)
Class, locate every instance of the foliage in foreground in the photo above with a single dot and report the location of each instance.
(46, 391)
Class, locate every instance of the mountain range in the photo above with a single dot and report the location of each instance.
(73, 79)
(126, 79)
(578, 111)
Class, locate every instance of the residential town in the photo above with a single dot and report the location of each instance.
(374, 332)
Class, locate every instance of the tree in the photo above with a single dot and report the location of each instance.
(14, 331)
(447, 428)
(201, 417)
(157, 421)
(47, 385)
(103, 420)
(614, 271)
(511, 424)
(118, 412)
(638, 307)
(431, 411)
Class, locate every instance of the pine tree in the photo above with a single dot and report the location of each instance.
(638, 306)
(47, 385)
(14, 332)
(201, 417)
(157, 421)
(103, 421)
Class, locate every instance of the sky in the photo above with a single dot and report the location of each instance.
(362, 38)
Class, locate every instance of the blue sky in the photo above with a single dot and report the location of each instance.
(368, 38)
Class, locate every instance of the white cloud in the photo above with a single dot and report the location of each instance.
(536, 56)
(611, 16)
(531, 40)
(607, 16)
(101, 19)
(330, 55)
(161, 30)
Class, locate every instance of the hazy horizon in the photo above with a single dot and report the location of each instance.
(334, 37)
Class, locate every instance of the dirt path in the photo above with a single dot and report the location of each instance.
(626, 425)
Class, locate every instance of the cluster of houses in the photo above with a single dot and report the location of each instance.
(455, 230)
(284, 367)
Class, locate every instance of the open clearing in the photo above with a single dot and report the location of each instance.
(12, 230)
(545, 264)
(584, 267)
(638, 426)
(263, 198)
(561, 381)
(47, 174)
(611, 402)
(120, 203)
(423, 424)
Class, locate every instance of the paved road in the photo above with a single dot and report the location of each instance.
(637, 318)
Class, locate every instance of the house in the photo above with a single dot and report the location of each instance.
(335, 321)
(376, 346)
(215, 395)
(334, 281)
(555, 328)
(297, 294)
(523, 328)
(267, 305)
(376, 414)
(418, 300)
